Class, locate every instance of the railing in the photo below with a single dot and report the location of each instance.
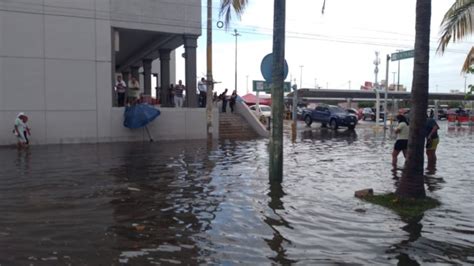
(249, 116)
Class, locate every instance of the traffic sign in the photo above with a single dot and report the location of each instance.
(263, 86)
(266, 67)
(403, 55)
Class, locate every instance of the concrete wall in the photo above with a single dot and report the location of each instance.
(176, 16)
(55, 64)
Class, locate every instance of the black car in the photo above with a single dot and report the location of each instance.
(331, 115)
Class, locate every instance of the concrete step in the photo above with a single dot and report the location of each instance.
(233, 126)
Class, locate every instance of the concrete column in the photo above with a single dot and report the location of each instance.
(190, 44)
(147, 76)
(436, 109)
(165, 76)
(349, 102)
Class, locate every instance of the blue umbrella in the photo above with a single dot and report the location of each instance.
(139, 115)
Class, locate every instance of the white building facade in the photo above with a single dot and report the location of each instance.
(59, 59)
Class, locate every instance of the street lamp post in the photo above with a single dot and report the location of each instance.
(236, 34)
(301, 76)
(376, 71)
(398, 80)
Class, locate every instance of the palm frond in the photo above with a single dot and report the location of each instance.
(457, 23)
(468, 62)
(231, 6)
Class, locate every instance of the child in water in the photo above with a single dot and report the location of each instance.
(22, 131)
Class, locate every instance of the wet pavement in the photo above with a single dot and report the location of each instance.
(193, 202)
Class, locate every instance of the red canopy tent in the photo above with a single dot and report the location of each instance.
(251, 99)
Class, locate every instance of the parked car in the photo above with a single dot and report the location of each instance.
(331, 115)
(355, 112)
(264, 110)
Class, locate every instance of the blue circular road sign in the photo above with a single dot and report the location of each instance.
(267, 65)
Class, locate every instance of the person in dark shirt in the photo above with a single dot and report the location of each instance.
(233, 98)
(432, 140)
(223, 97)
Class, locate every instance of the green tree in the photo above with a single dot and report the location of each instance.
(457, 25)
(412, 180)
(229, 7)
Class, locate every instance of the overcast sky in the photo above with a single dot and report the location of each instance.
(336, 49)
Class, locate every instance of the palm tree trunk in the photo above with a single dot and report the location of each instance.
(276, 142)
(412, 180)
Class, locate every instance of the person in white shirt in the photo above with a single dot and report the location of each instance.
(133, 91)
(202, 87)
(22, 131)
(179, 94)
(401, 144)
(121, 89)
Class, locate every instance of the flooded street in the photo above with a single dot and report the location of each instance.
(190, 202)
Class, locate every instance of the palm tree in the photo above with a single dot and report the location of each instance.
(232, 6)
(456, 25)
(412, 180)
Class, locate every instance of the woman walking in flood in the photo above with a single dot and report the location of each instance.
(401, 144)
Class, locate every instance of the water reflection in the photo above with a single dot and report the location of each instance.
(161, 204)
(278, 242)
(326, 134)
(203, 203)
(413, 228)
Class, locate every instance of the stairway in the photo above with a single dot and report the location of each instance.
(233, 126)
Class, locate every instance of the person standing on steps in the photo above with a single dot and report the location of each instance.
(223, 97)
(232, 100)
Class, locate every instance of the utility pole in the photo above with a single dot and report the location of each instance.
(301, 76)
(236, 34)
(210, 81)
(247, 83)
(386, 97)
(349, 85)
(398, 80)
(276, 141)
(376, 71)
(315, 83)
(465, 83)
(393, 73)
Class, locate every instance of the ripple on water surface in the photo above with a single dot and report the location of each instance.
(191, 202)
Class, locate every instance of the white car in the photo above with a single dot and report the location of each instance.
(264, 110)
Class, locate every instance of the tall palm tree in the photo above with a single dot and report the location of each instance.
(412, 180)
(457, 24)
(228, 7)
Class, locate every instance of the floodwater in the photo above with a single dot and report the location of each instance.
(194, 203)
